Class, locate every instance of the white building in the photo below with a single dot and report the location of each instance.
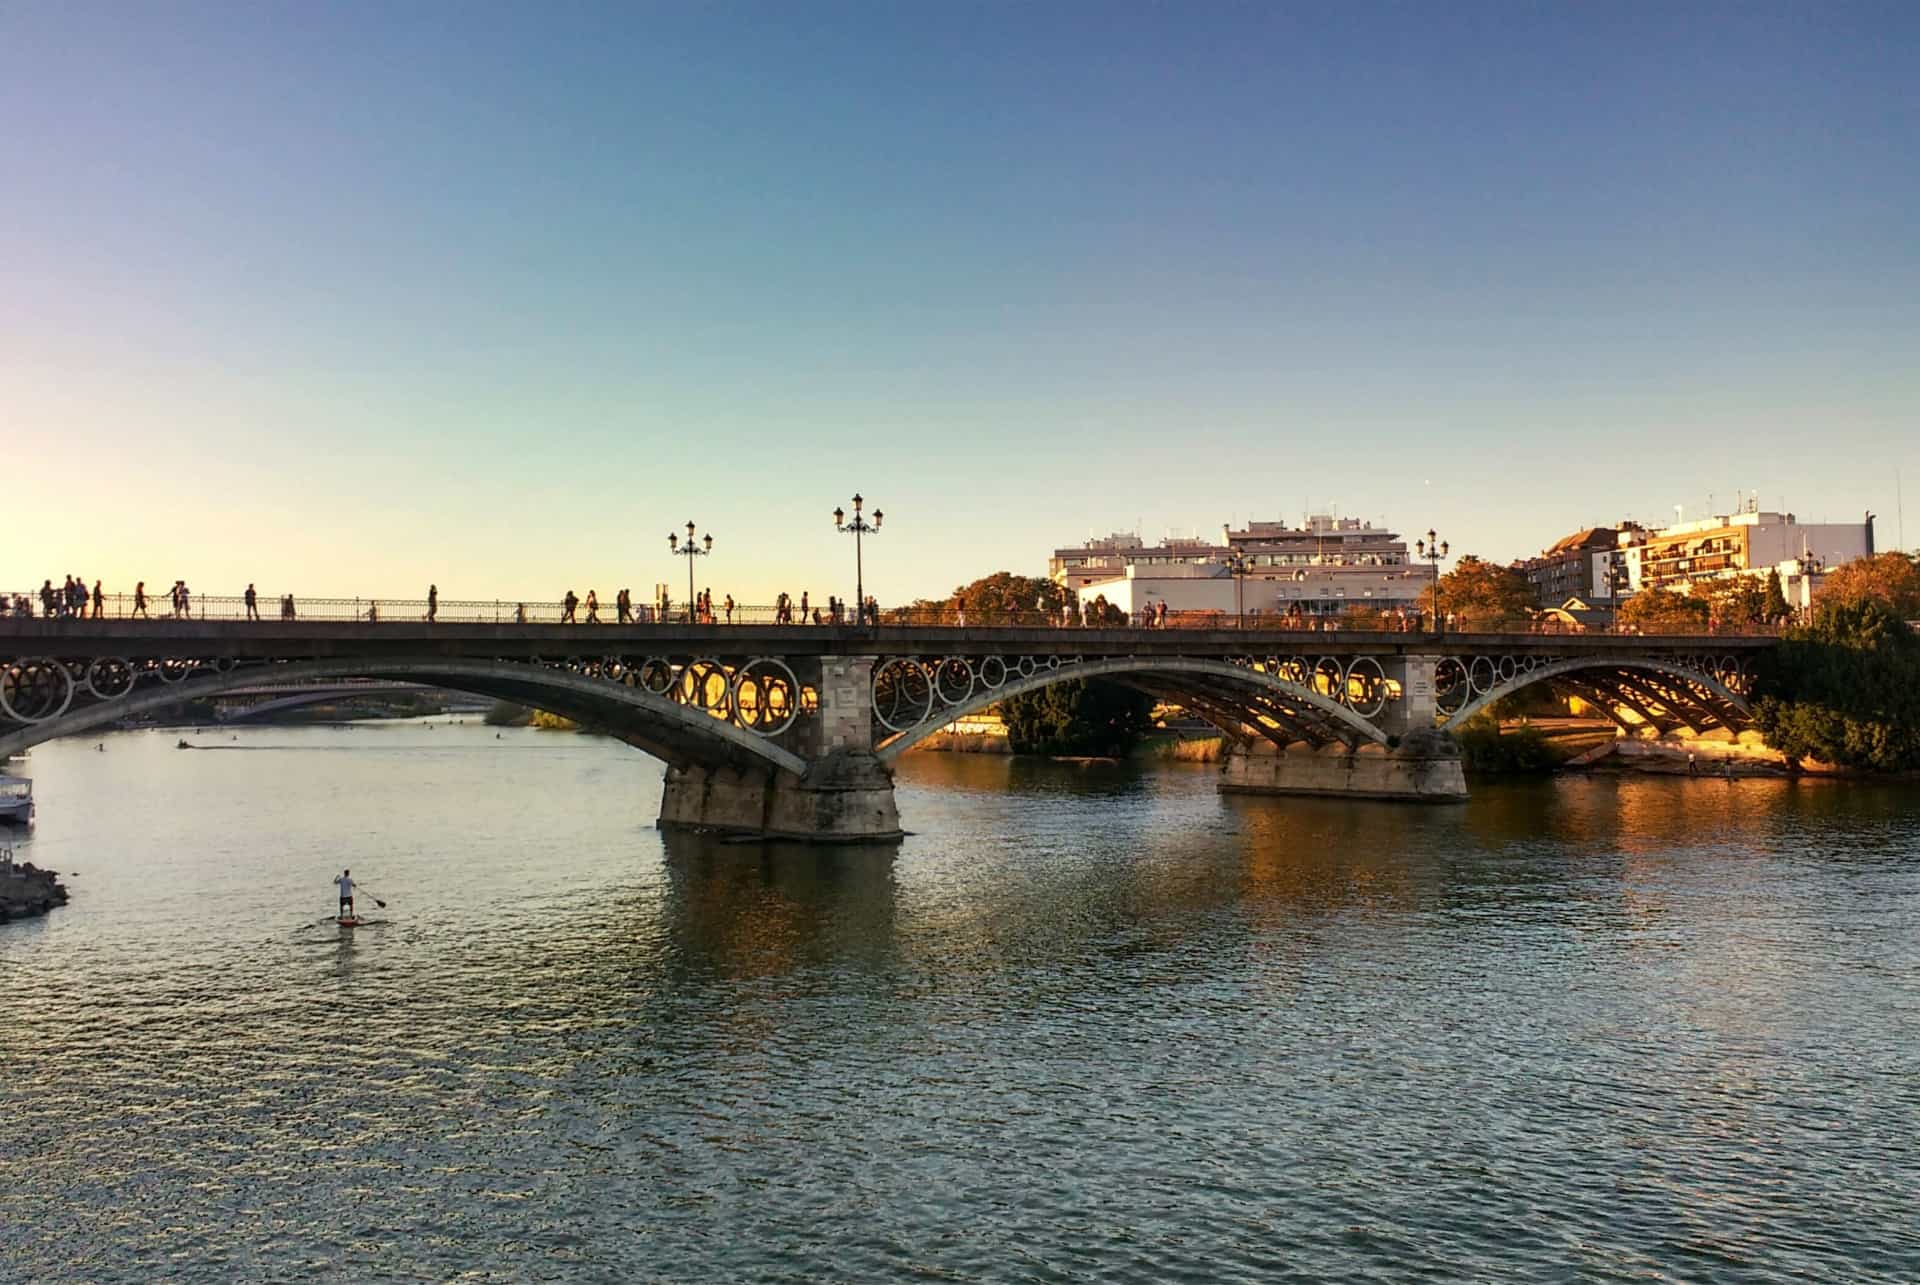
(1319, 568)
(1749, 543)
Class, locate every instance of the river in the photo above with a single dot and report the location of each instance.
(1089, 1023)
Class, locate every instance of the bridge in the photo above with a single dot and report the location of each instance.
(791, 730)
(259, 700)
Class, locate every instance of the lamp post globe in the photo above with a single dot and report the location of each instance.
(690, 549)
(858, 528)
(1432, 549)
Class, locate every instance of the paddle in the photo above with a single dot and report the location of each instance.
(376, 900)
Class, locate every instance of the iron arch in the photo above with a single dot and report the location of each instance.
(637, 716)
(1341, 722)
(1726, 698)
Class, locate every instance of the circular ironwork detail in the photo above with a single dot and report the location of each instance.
(35, 690)
(1366, 693)
(766, 696)
(1451, 686)
(656, 675)
(953, 680)
(109, 678)
(1481, 675)
(992, 672)
(704, 684)
(902, 695)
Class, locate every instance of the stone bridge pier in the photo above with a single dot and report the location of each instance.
(844, 795)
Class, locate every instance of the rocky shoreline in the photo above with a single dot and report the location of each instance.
(27, 891)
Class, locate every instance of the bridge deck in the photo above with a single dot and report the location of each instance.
(274, 640)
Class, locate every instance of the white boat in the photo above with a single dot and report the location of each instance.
(16, 800)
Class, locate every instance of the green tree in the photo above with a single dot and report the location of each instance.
(1004, 596)
(1078, 716)
(1890, 578)
(1482, 593)
(1734, 600)
(1662, 611)
(1775, 609)
(1845, 689)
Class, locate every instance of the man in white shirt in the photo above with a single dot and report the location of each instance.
(345, 884)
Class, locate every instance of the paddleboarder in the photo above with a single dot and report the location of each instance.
(345, 884)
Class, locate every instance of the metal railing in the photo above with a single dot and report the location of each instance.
(504, 611)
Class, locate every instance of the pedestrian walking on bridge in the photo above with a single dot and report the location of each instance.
(433, 602)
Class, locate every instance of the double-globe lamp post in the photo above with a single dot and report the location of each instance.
(1432, 549)
(858, 527)
(690, 550)
(1237, 564)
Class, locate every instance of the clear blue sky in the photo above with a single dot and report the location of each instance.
(358, 296)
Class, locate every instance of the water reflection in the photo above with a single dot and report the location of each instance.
(762, 909)
(1090, 1020)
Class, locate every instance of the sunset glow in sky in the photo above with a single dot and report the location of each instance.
(354, 297)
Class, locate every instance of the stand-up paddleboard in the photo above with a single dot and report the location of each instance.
(349, 921)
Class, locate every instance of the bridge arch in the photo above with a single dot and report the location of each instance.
(1691, 699)
(1239, 700)
(663, 728)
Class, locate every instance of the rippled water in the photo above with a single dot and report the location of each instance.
(1087, 1024)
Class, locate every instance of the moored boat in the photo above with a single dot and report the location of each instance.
(16, 800)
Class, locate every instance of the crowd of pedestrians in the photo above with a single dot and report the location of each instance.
(69, 602)
(75, 599)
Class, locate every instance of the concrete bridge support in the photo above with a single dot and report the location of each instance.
(1418, 705)
(1423, 768)
(845, 795)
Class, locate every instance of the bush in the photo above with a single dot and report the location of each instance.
(1845, 690)
(1077, 717)
(1487, 751)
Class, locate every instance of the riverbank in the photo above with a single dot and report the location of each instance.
(27, 891)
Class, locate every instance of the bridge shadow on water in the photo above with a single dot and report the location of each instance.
(1027, 872)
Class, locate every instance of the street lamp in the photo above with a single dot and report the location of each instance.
(1616, 576)
(1810, 566)
(690, 550)
(858, 527)
(1236, 564)
(1432, 549)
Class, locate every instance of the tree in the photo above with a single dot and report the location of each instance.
(1480, 592)
(1890, 578)
(1077, 716)
(1845, 689)
(1776, 609)
(1662, 611)
(1004, 596)
(1734, 600)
